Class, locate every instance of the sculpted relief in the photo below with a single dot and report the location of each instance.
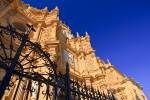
(3, 4)
(77, 51)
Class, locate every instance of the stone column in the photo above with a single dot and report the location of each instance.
(37, 33)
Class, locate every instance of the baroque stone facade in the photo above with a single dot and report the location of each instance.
(56, 38)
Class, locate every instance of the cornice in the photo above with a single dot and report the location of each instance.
(36, 15)
(78, 52)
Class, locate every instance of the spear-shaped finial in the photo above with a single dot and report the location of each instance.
(29, 29)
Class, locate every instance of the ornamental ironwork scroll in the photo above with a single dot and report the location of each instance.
(25, 67)
(28, 73)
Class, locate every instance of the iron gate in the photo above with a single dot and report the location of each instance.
(27, 72)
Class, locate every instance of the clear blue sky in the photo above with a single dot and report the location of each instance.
(119, 30)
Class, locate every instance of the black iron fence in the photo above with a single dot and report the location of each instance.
(27, 72)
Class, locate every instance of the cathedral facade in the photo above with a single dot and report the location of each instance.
(57, 39)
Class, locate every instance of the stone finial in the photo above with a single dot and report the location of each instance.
(46, 9)
(108, 61)
(78, 35)
(86, 34)
(55, 11)
(72, 36)
(56, 8)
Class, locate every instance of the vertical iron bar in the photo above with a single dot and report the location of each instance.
(11, 46)
(17, 88)
(55, 87)
(47, 92)
(3, 47)
(28, 89)
(55, 95)
(8, 75)
(78, 89)
(68, 94)
(38, 93)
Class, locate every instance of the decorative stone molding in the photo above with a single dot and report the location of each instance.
(55, 37)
